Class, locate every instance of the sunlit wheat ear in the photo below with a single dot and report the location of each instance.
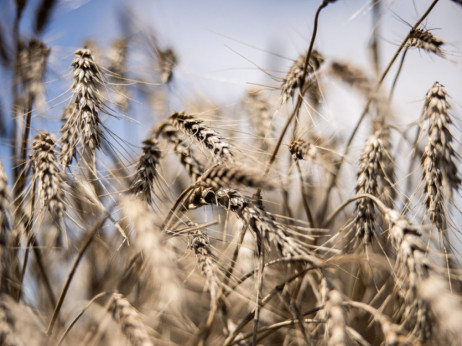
(82, 127)
(439, 158)
(222, 176)
(118, 68)
(302, 150)
(445, 305)
(207, 137)
(159, 258)
(335, 315)
(192, 165)
(293, 79)
(17, 325)
(167, 62)
(411, 267)
(130, 321)
(436, 111)
(367, 182)
(352, 75)
(387, 190)
(424, 39)
(32, 66)
(260, 117)
(147, 170)
(48, 176)
(199, 242)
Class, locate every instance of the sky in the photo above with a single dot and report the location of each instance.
(226, 47)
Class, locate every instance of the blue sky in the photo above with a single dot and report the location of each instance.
(222, 44)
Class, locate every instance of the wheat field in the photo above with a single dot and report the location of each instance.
(134, 212)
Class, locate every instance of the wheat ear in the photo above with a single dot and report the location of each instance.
(207, 137)
(83, 126)
(130, 322)
(147, 170)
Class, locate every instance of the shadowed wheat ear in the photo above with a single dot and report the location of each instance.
(17, 326)
(260, 117)
(207, 137)
(118, 68)
(32, 66)
(439, 157)
(192, 165)
(352, 75)
(302, 150)
(294, 78)
(47, 173)
(147, 170)
(82, 126)
(130, 321)
(223, 176)
(334, 313)
(158, 256)
(167, 61)
(411, 268)
(199, 242)
(8, 237)
(424, 39)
